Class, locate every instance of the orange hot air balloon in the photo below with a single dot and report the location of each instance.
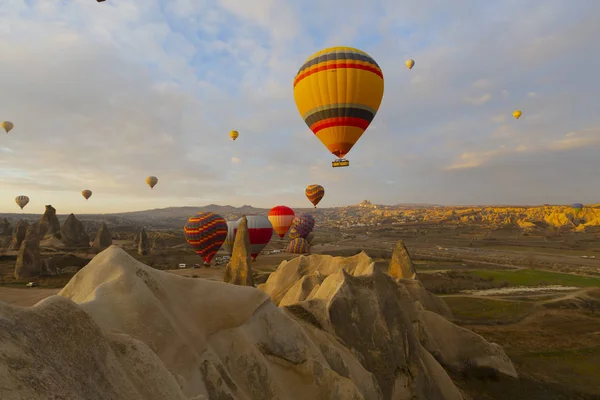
(281, 218)
(338, 92)
(314, 193)
(206, 232)
(86, 193)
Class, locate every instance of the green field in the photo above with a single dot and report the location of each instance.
(529, 277)
(469, 309)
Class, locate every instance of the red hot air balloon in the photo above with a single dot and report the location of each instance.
(281, 218)
(206, 232)
(260, 231)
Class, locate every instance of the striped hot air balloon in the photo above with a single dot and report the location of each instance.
(301, 226)
(206, 233)
(22, 201)
(338, 92)
(298, 246)
(230, 239)
(314, 193)
(260, 231)
(281, 218)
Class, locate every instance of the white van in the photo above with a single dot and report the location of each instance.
(182, 265)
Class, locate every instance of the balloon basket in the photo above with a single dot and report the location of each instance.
(340, 162)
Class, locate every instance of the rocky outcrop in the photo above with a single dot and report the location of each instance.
(41, 361)
(5, 227)
(62, 264)
(28, 260)
(49, 224)
(143, 244)
(19, 233)
(103, 238)
(401, 265)
(238, 270)
(73, 233)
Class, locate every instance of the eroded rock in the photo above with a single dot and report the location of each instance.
(238, 270)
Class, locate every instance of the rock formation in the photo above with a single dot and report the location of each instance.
(49, 224)
(401, 265)
(144, 244)
(28, 260)
(238, 270)
(73, 233)
(5, 227)
(103, 238)
(19, 233)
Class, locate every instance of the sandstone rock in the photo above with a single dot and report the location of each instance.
(73, 233)
(5, 227)
(19, 233)
(238, 270)
(143, 243)
(28, 260)
(62, 264)
(49, 224)
(401, 265)
(54, 350)
(103, 238)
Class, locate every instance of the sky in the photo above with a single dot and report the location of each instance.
(104, 94)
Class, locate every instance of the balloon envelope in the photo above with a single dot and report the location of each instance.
(577, 206)
(301, 226)
(206, 233)
(338, 92)
(234, 134)
(22, 201)
(517, 114)
(230, 239)
(410, 63)
(151, 181)
(281, 218)
(86, 193)
(7, 126)
(260, 231)
(314, 194)
(298, 246)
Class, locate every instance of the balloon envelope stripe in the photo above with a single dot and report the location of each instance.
(344, 55)
(339, 121)
(339, 114)
(336, 66)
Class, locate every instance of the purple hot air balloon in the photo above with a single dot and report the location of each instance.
(301, 226)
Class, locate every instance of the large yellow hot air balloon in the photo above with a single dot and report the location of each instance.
(151, 181)
(409, 63)
(338, 92)
(86, 193)
(517, 114)
(7, 126)
(234, 135)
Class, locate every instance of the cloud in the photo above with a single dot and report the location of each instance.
(104, 94)
(235, 160)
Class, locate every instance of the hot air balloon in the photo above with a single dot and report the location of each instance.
(517, 114)
(7, 126)
(314, 193)
(86, 193)
(260, 231)
(151, 181)
(298, 246)
(230, 239)
(206, 232)
(577, 207)
(338, 92)
(22, 201)
(409, 63)
(301, 226)
(234, 135)
(281, 218)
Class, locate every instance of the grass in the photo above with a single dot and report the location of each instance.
(528, 277)
(488, 310)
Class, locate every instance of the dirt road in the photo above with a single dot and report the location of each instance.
(24, 297)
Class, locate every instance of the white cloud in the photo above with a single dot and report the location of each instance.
(478, 101)
(235, 160)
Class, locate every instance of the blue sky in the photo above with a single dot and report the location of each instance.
(104, 94)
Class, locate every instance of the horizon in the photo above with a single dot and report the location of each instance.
(104, 94)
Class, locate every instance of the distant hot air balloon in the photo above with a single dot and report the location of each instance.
(314, 193)
(22, 201)
(234, 135)
(301, 226)
(338, 117)
(230, 239)
(281, 218)
(206, 232)
(86, 193)
(517, 114)
(151, 181)
(260, 231)
(409, 63)
(577, 206)
(298, 246)
(7, 126)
